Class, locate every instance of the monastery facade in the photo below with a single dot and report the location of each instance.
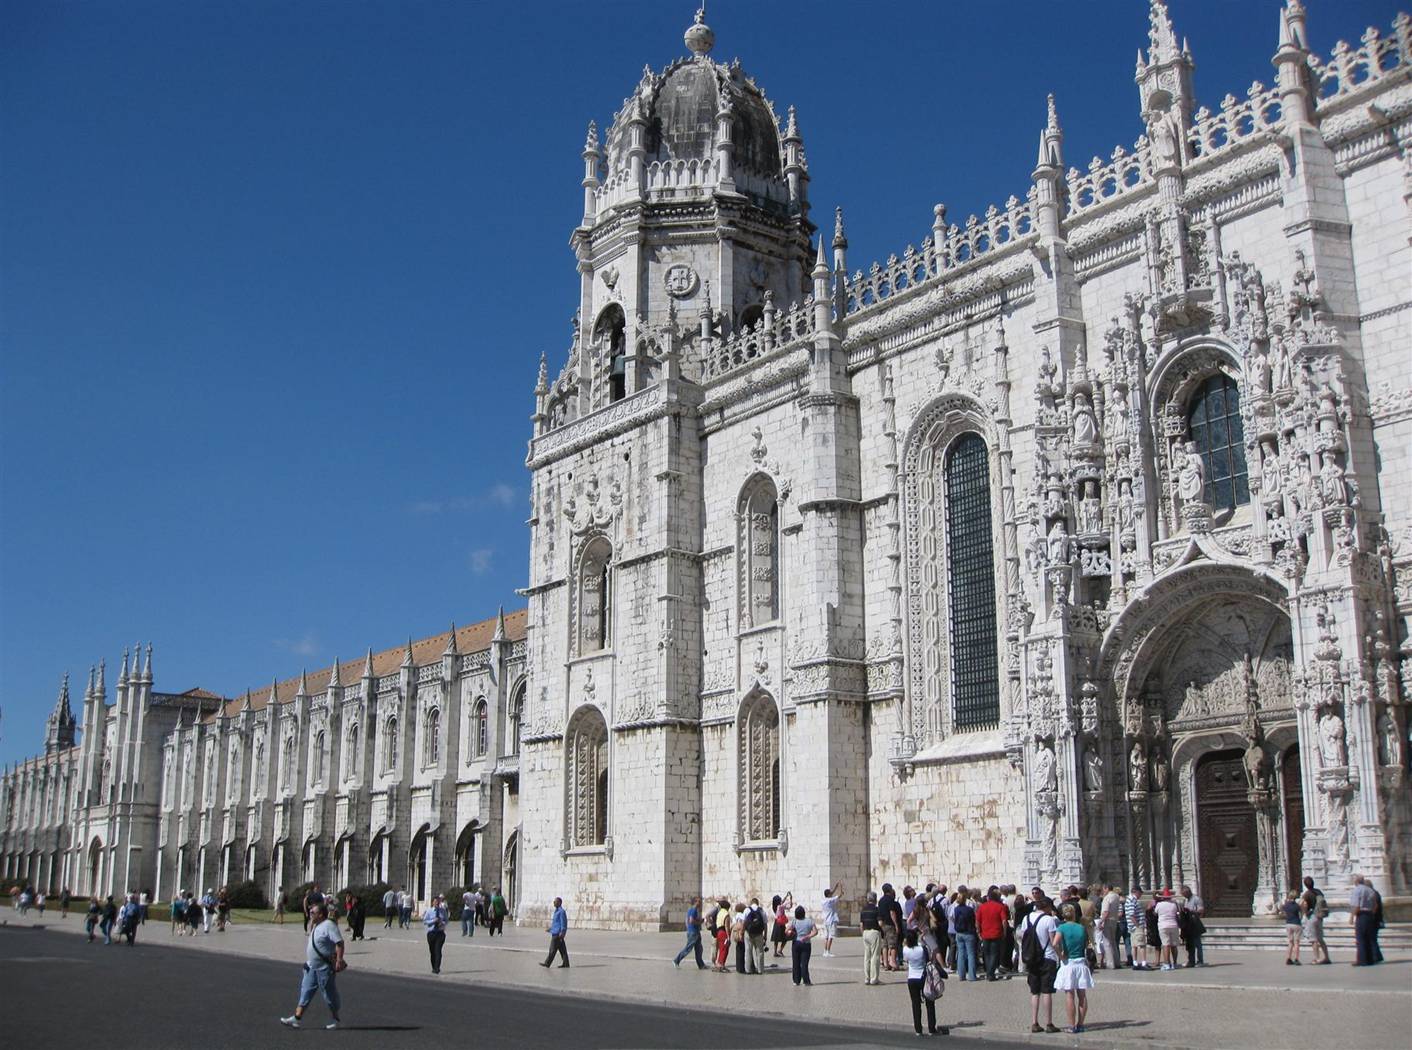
(1071, 543)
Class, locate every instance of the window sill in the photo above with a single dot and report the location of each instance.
(759, 846)
(598, 849)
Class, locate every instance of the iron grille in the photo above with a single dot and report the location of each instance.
(970, 566)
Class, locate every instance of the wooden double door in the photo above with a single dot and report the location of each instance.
(1227, 835)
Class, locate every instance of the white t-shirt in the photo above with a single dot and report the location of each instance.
(916, 959)
(828, 911)
(1167, 915)
(1046, 926)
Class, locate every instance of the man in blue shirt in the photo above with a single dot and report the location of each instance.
(693, 935)
(558, 927)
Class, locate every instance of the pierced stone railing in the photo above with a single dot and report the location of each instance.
(1350, 69)
(772, 332)
(1236, 120)
(1124, 173)
(945, 250)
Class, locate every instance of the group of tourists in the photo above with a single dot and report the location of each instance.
(191, 914)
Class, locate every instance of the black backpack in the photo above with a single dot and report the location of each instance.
(1031, 950)
(755, 925)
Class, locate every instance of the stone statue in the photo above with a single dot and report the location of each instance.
(1085, 425)
(1045, 778)
(1192, 479)
(1331, 481)
(1090, 509)
(1093, 769)
(1338, 828)
(1257, 767)
(1271, 480)
(1159, 770)
(1284, 369)
(1260, 372)
(1389, 744)
(1332, 749)
(1058, 543)
(1137, 767)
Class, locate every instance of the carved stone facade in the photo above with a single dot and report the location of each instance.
(407, 773)
(1176, 378)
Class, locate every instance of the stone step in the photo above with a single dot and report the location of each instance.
(1258, 934)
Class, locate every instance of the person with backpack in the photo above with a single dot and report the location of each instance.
(1040, 955)
(755, 929)
(1316, 910)
(920, 983)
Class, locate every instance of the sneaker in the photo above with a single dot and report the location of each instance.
(1036, 1028)
(331, 1026)
(289, 1022)
(1052, 1029)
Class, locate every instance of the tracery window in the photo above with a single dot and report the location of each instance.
(233, 771)
(167, 787)
(516, 715)
(320, 752)
(389, 755)
(595, 596)
(587, 779)
(350, 752)
(431, 743)
(758, 548)
(480, 724)
(287, 764)
(208, 793)
(258, 787)
(759, 762)
(970, 566)
(1214, 425)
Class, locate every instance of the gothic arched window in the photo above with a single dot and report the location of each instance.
(759, 758)
(610, 340)
(431, 744)
(480, 725)
(516, 715)
(320, 754)
(350, 752)
(587, 779)
(287, 764)
(595, 596)
(389, 755)
(970, 568)
(233, 771)
(1214, 425)
(258, 787)
(758, 548)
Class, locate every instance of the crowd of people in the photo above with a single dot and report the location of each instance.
(1055, 942)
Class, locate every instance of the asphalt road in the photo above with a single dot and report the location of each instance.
(57, 991)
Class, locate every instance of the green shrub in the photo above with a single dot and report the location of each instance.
(246, 895)
(371, 896)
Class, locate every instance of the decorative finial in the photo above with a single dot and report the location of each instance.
(839, 240)
(542, 385)
(791, 128)
(699, 38)
(1053, 114)
(591, 143)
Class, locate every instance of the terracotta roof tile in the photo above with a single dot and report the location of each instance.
(470, 639)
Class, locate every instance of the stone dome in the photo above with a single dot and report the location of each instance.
(679, 107)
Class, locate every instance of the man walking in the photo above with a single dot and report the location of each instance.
(470, 903)
(323, 961)
(557, 928)
(693, 935)
(869, 919)
(434, 918)
(498, 911)
(389, 908)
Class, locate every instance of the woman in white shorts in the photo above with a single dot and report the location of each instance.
(1075, 978)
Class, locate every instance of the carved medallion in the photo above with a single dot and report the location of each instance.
(680, 280)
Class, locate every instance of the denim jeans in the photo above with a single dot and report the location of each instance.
(468, 923)
(966, 956)
(107, 927)
(801, 951)
(991, 950)
(319, 978)
(693, 944)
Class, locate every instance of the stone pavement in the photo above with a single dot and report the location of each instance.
(1242, 999)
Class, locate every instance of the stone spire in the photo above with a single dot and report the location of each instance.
(122, 675)
(59, 731)
(500, 626)
(840, 243)
(303, 689)
(1051, 155)
(368, 664)
(147, 665)
(333, 679)
(451, 649)
(407, 660)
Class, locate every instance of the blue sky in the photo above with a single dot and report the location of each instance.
(275, 278)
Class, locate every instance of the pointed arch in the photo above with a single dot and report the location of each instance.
(758, 552)
(431, 737)
(586, 778)
(758, 768)
(594, 596)
(515, 717)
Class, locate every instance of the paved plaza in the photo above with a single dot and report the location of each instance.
(1246, 999)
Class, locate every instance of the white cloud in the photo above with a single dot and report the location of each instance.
(306, 646)
(480, 560)
(499, 496)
